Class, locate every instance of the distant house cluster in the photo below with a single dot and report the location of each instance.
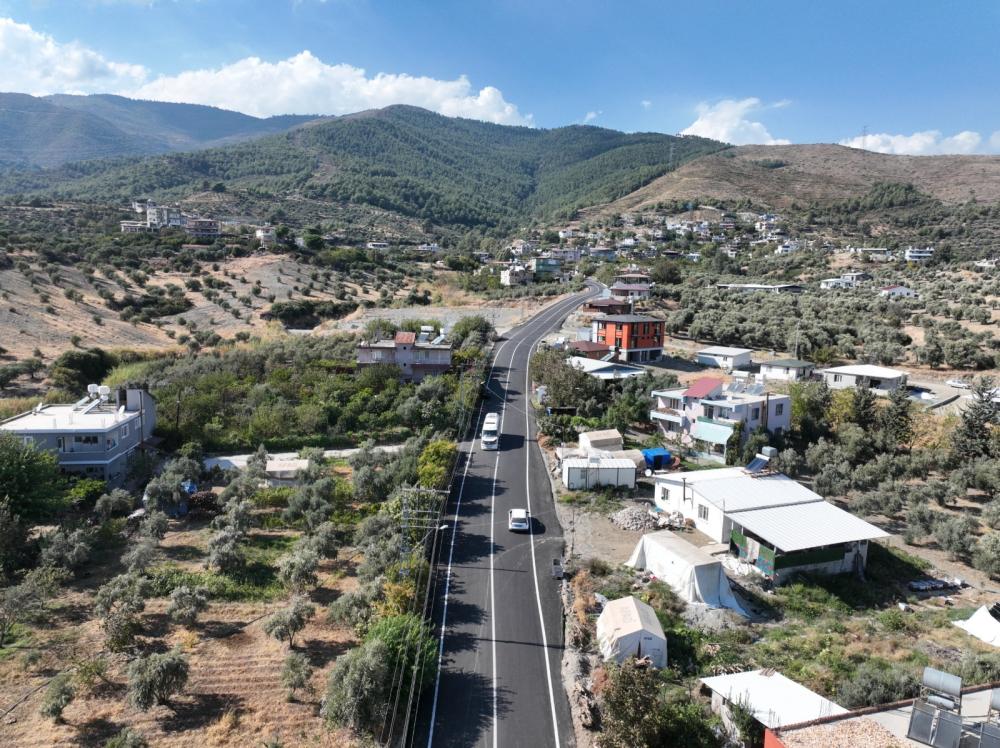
(155, 217)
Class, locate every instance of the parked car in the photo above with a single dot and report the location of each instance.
(958, 383)
(518, 520)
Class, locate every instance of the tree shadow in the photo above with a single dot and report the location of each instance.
(183, 552)
(321, 653)
(96, 731)
(197, 711)
(464, 709)
(219, 629)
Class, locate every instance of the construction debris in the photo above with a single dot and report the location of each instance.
(634, 519)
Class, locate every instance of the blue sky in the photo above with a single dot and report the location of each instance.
(920, 75)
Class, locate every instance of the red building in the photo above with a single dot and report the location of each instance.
(634, 337)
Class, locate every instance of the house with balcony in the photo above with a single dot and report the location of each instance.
(415, 356)
(95, 437)
(515, 275)
(634, 338)
(704, 415)
(918, 254)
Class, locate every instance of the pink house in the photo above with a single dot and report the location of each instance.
(415, 356)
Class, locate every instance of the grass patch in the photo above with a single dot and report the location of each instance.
(599, 502)
(256, 583)
(265, 549)
(271, 498)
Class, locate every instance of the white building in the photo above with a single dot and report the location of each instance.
(515, 275)
(773, 699)
(829, 284)
(724, 357)
(875, 254)
(918, 254)
(873, 377)
(898, 292)
(787, 369)
(771, 522)
(787, 248)
(266, 235)
(567, 234)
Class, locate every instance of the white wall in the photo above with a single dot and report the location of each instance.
(723, 362)
(668, 498)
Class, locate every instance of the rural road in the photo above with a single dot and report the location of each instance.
(497, 610)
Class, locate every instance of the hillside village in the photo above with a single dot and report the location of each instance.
(234, 450)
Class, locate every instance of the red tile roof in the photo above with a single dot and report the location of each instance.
(702, 387)
(405, 338)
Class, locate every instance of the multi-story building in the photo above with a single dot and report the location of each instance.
(201, 228)
(704, 415)
(633, 337)
(786, 369)
(515, 275)
(163, 216)
(92, 437)
(545, 268)
(918, 254)
(415, 357)
(266, 235)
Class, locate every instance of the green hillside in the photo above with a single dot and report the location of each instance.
(448, 171)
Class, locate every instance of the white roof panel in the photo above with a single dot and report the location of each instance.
(774, 699)
(802, 526)
(867, 370)
(733, 490)
(60, 418)
(721, 350)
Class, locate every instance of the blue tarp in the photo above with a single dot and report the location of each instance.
(657, 458)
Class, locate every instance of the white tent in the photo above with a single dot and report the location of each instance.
(688, 570)
(982, 625)
(629, 628)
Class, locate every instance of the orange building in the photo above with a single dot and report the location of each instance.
(634, 337)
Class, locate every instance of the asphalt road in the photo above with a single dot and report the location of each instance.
(497, 608)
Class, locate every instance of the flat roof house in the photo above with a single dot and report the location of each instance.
(787, 369)
(636, 338)
(704, 416)
(608, 306)
(415, 357)
(877, 378)
(772, 523)
(93, 437)
(724, 357)
(630, 291)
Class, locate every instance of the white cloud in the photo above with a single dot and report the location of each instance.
(995, 141)
(591, 116)
(646, 103)
(727, 121)
(304, 84)
(926, 143)
(36, 63)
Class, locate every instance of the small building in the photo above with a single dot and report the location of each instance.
(873, 377)
(832, 284)
(605, 370)
(428, 248)
(590, 349)
(376, 245)
(630, 291)
(515, 275)
(918, 254)
(415, 358)
(566, 254)
(856, 276)
(773, 524)
(724, 357)
(773, 699)
(94, 437)
(787, 369)
(135, 227)
(266, 235)
(609, 440)
(762, 287)
(628, 628)
(875, 254)
(603, 253)
(897, 292)
(596, 472)
(635, 338)
(545, 269)
(608, 306)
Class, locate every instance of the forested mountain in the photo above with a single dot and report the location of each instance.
(54, 130)
(447, 171)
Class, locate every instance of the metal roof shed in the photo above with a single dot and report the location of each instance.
(798, 527)
(774, 699)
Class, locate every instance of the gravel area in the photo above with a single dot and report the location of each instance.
(633, 518)
(852, 732)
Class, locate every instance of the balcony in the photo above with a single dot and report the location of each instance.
(666, 414)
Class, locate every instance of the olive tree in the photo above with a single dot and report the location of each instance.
(58, 696)
(288, 622)
(154, 679)
(186, 603)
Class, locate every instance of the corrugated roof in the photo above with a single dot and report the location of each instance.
(801, 526)
(703, 387)
(774, 699)
(405, 338)
(626, 318)
(715, 433)
(589, 346)
(732, 490)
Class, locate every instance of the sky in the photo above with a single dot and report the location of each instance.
(896, 76)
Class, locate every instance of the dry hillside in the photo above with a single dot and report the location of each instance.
(815, 172)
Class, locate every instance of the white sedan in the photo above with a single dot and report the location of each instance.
(958, 383)
(518, 520)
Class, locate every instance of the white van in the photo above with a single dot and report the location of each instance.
(490, 438)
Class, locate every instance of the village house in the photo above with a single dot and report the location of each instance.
(704, 415)
(605, 370)
(545, 268)
(266, 235)
(589, 349)
(94, 437)
(630, 291)
(566, 254)
(635, 338)
(873, 377)
(897, 292)
(515, 275)
(608, 306)
(776, 526)
(918, 254)
(416, 357)
(787, 369)
(830, 284)
(724, 357)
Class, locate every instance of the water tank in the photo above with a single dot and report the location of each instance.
(769, 452)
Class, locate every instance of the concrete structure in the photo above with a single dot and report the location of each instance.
(875, 254)
(704, 415)
(873, 377)
(898, 292)
(566, 254)
(831, 284)
(93, 437)
(776, 526)
(135, 227)
(608, 306)
(609, 440)
(635, 338)
(376, 245)
(773, 699)
(589, 349)
(515, 275)
(163, 216)
(201, 228)
(724, 357)
(545, 269)
(266, 235)
(630, 291)
(628, 628)
(918, 254)
(416, 358)
(787, 369)
(764, 287)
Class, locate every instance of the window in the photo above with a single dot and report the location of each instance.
(756, 413)
(111, 443)
(837, 377)
(702, 512)
(779, 409)
(124, 432)
(28, 441)
(86, 439)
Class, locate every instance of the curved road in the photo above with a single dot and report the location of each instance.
(497, 608)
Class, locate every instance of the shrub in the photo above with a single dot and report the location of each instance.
(295, 673)
(986, 556)
(877, 683)
(410, 646)
(66, 549)
(358, 687)
(127, 738)
(956, 535)
(297, 570)
(187, 603)
(154, 679)
(58, 696)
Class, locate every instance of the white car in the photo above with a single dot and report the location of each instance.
(518, 520)
(958, 384)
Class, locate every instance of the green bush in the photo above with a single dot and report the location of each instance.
(877, 683)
